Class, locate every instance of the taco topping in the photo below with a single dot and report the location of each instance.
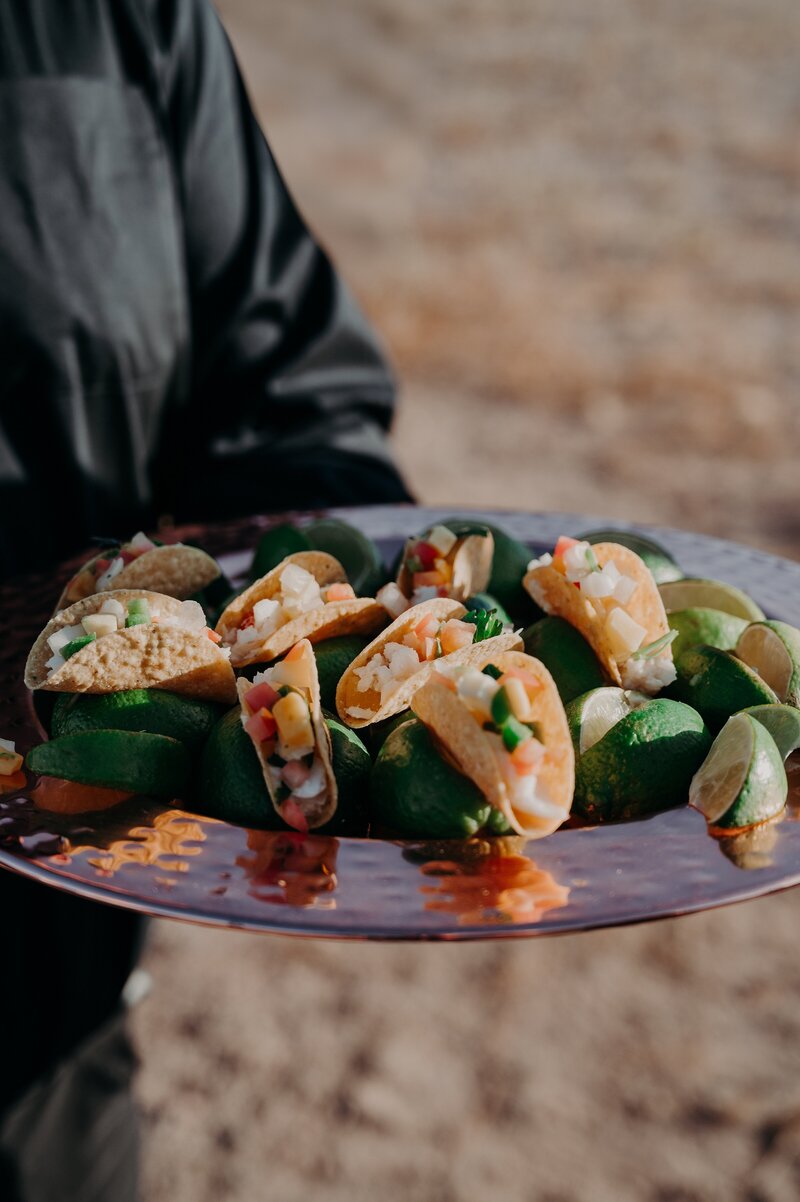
(277, 717)
(428, 566)
(502, 703)
(608, 591)
(430, 639)
(299, 593)
(113, 616)
(10, 760)
(98, 576)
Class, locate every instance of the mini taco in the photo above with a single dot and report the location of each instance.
(176, 570)
(305, 597)
(131, 639)
(607, 592)
(440, 563)
(282, 715)
(382, 680)
(504, 728)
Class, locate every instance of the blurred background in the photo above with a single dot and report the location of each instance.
(577, 226)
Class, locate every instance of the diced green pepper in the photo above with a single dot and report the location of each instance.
(501, 707)
(491, 670)
(138, 612)
(515, 732)
(76, 644)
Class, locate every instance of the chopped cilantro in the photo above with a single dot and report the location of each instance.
(487, 626)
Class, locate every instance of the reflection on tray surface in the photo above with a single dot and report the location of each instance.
(291, 869)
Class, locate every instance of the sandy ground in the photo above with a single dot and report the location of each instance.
(577, 225)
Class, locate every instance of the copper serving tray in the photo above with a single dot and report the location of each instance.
(167, 861)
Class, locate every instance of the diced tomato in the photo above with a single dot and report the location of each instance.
(427, 554)
(247, 621)
(427, 627)
(295, 653)
(527, 757)
(340, 592)
(564, 543)
(212, 634)
(293, 816)
(269, 722)
(531, 682)
(442, 590)
(258, 729)
(128, 556)
(456, 634)
(261, 696)
(427, 580)
(417, 644)
(101, 565)
(295, 773)
(430, 648)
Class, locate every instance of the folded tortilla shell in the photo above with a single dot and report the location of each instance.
(177, 571)
(466, 744)
(362, 615)
(556, 595)
(472, 567)
(348, 694)
(149, 656)
(324, 813)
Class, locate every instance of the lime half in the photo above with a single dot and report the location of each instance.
(773, 650)
(658, 559)
(694, 593)
(742, 781)
(782, 722)
(592, 715)
(357, 554)
(717, 684)
(713, 627)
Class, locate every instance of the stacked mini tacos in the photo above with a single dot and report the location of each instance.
(131, 639)
(383, 678)
(305, 596)
(607, 592)
(282, 715)
(176, 570)
(504, 727)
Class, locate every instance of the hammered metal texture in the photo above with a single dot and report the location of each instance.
(166, 861)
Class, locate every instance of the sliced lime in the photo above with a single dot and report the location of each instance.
(117, 759)
(742, 781)
(357, 554)
(592, 715)
(658, 559)
(694, 593)
(773, 650)
(713, 627)
(717, 684)
(782, 722)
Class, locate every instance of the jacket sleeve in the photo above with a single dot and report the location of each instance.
(291, 396)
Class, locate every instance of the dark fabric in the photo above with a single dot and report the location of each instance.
(173, 338)
(74, 1136)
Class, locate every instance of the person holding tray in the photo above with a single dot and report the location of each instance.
(174, 342)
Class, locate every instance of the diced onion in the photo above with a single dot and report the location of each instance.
(442, 539)
(392, 600)
(624, 634)
(112, 606)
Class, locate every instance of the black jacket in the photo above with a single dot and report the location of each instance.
(172, 338)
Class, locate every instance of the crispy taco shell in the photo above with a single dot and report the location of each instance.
(363, 615)
(139, 657)
(472, 567)
(556, 595)
(177, 571)
(322, 814)
(465, 743)
(348, 693)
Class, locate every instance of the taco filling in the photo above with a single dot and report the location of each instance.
(113, 615)
(430, 639)
(502, 702)
(299, 593)
(99, 575)
(277, 715)
(439, 564)
(608, 591)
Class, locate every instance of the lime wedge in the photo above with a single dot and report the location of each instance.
(357, 554)
(782, 722)
(567, 656)
(658, 559)
(117, 759)
(717, 684)
(694, 593)
(592, 715)
(742, 781)
(643, 764)
(773, 650)
(274, 545)
(713, 627)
